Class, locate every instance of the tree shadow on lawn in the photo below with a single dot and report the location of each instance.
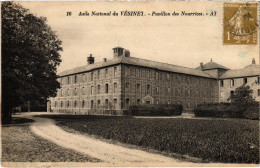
(17, 121)
(79, 117)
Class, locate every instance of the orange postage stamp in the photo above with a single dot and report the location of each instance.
(240, 23)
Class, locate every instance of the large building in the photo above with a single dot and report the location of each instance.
(111, 86)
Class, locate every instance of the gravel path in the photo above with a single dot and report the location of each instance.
(109, 153)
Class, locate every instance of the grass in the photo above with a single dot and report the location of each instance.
(222, 140)
(20, 145)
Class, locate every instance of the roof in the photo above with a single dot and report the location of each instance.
(212, 65)
(252, 70)
(138, 62)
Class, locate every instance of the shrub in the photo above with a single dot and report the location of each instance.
(156, 110)
(252, 112)
(227, 110)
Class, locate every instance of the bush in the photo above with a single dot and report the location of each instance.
(156, 110)
(252, 112)
(227, 110)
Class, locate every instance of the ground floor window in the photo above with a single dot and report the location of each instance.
(92, 104)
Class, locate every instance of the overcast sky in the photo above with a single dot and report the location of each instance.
(179, 40)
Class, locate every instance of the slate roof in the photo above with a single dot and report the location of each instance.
(212, 65)
(251, 70)
(138, 62)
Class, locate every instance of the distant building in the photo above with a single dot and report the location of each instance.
(111, 86)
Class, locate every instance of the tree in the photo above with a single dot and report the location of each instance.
(30, 56)
(242, 98)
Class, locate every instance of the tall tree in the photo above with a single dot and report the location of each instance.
(242, 98)
(30, 56)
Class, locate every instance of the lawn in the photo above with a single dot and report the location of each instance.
(216, 140)
(19, 144)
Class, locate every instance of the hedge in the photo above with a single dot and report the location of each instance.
(156, 110)
(227, 110)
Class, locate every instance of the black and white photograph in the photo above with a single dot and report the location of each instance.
(130, 84)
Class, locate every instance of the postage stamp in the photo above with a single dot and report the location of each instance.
(240, 23)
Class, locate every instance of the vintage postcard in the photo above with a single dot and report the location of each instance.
(130, 84)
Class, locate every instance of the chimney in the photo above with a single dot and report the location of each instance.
(127, 53)
(253, 61)
(118, 51)
(105, 59)
(90, 59)
(201, 66)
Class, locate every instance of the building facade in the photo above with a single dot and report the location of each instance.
(111, 86)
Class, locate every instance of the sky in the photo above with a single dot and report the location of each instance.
(179, 40)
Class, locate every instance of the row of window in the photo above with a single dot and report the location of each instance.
(84, 90)
(108, 105)
(84, 77)
(75, 104)
(232, 82)
(232, 93)
(150, 74)
(148, 91)
(169, 91)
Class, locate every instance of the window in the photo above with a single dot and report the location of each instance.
(148, 74)
(55, 104)
(258, 90)
(61, 104)
(98, 102)
(106, 88)
(232, 82)
(61, 92)
(245, 81)
(148, 89)
(75, 91)
(106, 103)
(127, 101)
(157, 90)
(127, 87)
(115, 103)
(83, 103)
(83, 90)
(138, 101)
(106, 72)
(115, 87)
(126, 71)
(98, 89)
(156, 75)
(115, 71)
(221, 83)
(68, 104)
(68, 80)
(92, 104)
(138, 72)
(168, 77)
(75, 79)
(91, 76)
(68, 92)
(258, 80)
(98, 74)
(138, 88)
(91, 90)
(147, 102)
(169, 91)
(75, 103)
(133, 72)
(83, 77)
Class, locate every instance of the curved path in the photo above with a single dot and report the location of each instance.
(110, 154)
